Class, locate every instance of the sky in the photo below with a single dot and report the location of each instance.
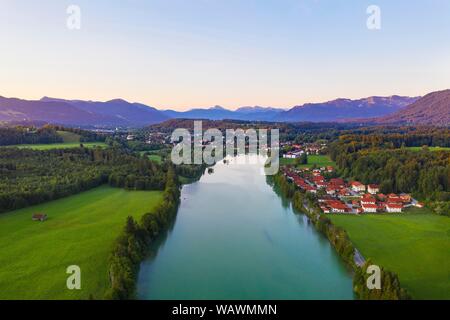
(181, 54)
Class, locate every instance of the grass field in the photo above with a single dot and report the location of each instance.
(69, 136)
(60, 145)
(429, 148)
(154, 157)
(318, 160)
(80, 231)
(415, 245)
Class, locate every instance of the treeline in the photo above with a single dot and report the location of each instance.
(85, 135)
(423, 173)
(396, 137)
(390, 285)
(131, 246)
(338, 237)
(24, 135)
(29, 177)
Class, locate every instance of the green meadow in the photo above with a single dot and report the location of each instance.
(318, 160)
(152, 156)
(69, 136)
(414, 244)
(80, 230)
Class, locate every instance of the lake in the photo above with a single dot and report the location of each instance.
(234, 237)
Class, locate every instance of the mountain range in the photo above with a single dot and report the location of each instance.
(431, 109)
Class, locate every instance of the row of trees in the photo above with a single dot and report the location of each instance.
(132, 245)
(28, 177)
(44, 135)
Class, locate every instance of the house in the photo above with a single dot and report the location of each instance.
(338, 182)
(357, 186)
(355, 203)
(373, 188)
(406, 198)
(337, 206)
(330, 169)
(130, 137)
(394, 207)
(39, 217)
(419, 204)
(393, 198)
(331, 191)
(381, 196)
(368, 207)
(321, 184)
(368, 199)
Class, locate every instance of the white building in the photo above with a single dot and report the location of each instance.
(358, 186)
(373, 188)
(394, 207)
(371, 208)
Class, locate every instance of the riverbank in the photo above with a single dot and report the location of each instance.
(414, 244)
(131, 245)
(306, 203)
(233, 239)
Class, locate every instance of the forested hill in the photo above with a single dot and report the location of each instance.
(432, 109)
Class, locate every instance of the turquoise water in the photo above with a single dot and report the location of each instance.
(235, 238)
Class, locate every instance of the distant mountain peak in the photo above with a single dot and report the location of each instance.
(117, 100)
(217, 107)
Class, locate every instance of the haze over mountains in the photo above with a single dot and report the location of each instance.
(431, 109)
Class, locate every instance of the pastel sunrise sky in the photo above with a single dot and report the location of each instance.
(181, 54)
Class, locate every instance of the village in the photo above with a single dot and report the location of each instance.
(335, 195)
(295, 151)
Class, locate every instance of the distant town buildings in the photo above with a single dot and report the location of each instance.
(337, 196)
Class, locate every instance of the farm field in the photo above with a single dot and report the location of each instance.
(429, 148)
(80, 230)
(154, 157)
(414, 244)
(318, 160)
(63, 145)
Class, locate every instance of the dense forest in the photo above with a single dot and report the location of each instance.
(22, 135)
(30, 176)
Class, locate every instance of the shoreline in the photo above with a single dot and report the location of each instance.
(339, 239)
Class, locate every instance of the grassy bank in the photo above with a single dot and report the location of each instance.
(415, 245)
(81, 230)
